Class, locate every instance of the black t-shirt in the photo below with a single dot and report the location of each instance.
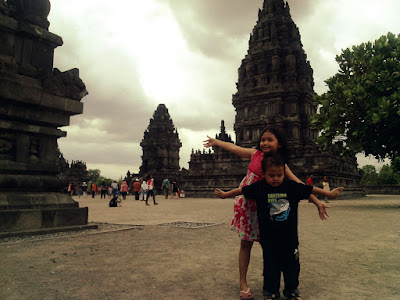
(277, 209)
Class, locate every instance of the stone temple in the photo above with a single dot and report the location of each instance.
(275, 88)
(160, 146)
(35, 100)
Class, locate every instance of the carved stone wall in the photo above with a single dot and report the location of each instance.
(213, 168)
(35, 100)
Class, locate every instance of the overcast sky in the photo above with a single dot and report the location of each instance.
(134, 55)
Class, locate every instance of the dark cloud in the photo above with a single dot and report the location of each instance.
(300, 9)
(213, 27)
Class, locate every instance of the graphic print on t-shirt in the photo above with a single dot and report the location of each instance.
(279, 207)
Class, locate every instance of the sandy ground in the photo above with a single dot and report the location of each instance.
(353, 255)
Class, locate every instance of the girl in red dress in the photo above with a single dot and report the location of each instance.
(245, 220)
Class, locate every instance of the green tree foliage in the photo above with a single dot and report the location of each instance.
(369, 176)
(94, 175)
(360, 112)
(387, 175)
(395, 164)
(101, 179)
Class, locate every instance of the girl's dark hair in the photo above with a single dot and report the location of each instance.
(283, 150)
(272, 160)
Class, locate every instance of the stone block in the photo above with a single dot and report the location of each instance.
(31, 219)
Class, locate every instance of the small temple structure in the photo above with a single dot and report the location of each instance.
(75, 172)
(160, 147)
(274, 88)
(36, 99)
(210, 169)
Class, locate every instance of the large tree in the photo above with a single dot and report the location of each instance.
(360, 112)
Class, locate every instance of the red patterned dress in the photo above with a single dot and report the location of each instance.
(245, 220)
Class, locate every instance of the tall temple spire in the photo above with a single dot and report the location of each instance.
(160, 146)
(275, 83)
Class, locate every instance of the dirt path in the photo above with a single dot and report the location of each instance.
(354, 255)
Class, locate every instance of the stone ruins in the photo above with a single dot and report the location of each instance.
(275, 88)
(35, 99)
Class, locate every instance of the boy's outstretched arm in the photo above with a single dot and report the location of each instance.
(322, 207)
(228, 194)
(333, 194)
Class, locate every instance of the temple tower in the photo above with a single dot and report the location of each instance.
(275, 88)
(160, 146)
(275, 85)
(35, 99)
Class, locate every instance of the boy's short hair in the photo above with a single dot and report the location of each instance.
(272, 160)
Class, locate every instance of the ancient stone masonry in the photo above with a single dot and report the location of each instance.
(160, 146)
(211, 169)
(35, 100)
(74, 172)
(275, 88)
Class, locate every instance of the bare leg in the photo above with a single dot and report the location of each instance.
(244, 260)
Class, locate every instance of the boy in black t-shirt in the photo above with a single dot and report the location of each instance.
(277, 202)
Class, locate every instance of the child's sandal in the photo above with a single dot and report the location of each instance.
(246, 295)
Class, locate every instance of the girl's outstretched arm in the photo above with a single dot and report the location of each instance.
(235, 149)
(322, 207)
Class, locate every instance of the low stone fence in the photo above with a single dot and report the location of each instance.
(388, 189)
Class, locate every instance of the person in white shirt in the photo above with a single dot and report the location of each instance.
(144, 190)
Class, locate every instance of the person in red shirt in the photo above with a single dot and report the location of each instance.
(150, 192)
(136, 188)
(310, 180)
(93, 189)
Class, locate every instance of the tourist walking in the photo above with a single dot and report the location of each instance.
(150, 190)
(325, 186)
(136, 188)
(144, 188)
(103, 190)
(165, 187)
(124, 190)
(245, 212)
(175, 190)
(84, 188)
(79, 190)
(115, 188)
(277, 203)
(93, 189)
(70, 190)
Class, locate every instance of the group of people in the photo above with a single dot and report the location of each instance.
(168, 186)
(265, 211)
(103, 190)
(146, 188)
(79, 190)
